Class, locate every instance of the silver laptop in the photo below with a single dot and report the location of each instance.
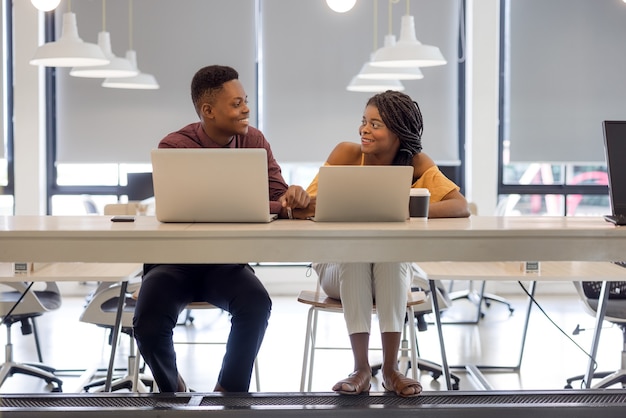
(211, 185)
(363, 193)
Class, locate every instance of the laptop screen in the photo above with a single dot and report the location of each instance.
(615, 149)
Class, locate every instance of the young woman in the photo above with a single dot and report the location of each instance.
(390, 132)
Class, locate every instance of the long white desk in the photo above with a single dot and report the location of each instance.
(97, 239)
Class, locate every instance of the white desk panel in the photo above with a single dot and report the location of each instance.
(97, 239)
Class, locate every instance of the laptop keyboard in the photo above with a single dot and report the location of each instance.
(616, 219)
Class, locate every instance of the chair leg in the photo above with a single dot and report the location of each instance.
(310, 330)
(9, 368)
(477, 298)
(257, 375)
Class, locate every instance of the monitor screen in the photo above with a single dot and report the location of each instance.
(139, 186)
(615, 149)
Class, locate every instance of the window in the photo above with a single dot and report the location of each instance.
(563, 68)
(295, 84)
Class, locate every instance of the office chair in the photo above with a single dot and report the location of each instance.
(101, 310)
(33, 303)
(589, 293)
(91, 208)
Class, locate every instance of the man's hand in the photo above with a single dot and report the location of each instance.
(294, 198)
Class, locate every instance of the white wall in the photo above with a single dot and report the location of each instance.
(482, 104)
(29, 128)
(482, 120)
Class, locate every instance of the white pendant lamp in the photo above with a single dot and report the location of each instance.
(377, 79)
(140, 81)
(117, 67)
(373, 86)
(408, 51)
(69, 50)
(45, 5)
(341, 6)
(371, 72)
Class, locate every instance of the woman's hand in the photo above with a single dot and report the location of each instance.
(294, 198)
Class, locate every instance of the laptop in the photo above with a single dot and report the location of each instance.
(615, 152)
(211, 185)
(363, 193)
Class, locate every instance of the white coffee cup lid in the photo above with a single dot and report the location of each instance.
(420, 192)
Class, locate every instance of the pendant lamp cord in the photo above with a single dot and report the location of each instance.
(390, 15)
(130, 24)
(375, 43)
(104, 15)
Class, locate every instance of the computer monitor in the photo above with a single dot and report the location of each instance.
(615, 149)
(139, 186)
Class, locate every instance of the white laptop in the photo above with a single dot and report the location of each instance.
(211, 185)
(363, 193)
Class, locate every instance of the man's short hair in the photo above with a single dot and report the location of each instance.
(208, 81)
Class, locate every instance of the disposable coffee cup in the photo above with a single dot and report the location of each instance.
(418, 203)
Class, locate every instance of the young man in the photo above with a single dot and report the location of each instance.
(221, 103)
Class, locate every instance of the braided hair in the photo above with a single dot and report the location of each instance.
(208, 81)
(403, 117)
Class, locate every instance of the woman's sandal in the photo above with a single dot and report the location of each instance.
(399, 383)
(360, 385)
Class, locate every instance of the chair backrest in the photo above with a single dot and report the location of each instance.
(33, 302)
(616, 306)
(101, 307)
(420, 281)
(129, 208)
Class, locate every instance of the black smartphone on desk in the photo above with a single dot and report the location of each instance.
(123, 218)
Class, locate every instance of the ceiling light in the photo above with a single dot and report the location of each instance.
(117, 67)
(69, 50)
(341, 6)
(373, 86)
(45, 5)
(408, 51)
(140, 81)
(371, 72)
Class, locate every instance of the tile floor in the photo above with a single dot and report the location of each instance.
(550, 356)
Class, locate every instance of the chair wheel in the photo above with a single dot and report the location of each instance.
(568, 386)
(57, 389)
(455, 386)
(435, 375)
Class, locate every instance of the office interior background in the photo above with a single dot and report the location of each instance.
(514, 117)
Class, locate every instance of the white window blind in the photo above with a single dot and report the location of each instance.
(310, 54)
(566, 75)
(173, 39)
